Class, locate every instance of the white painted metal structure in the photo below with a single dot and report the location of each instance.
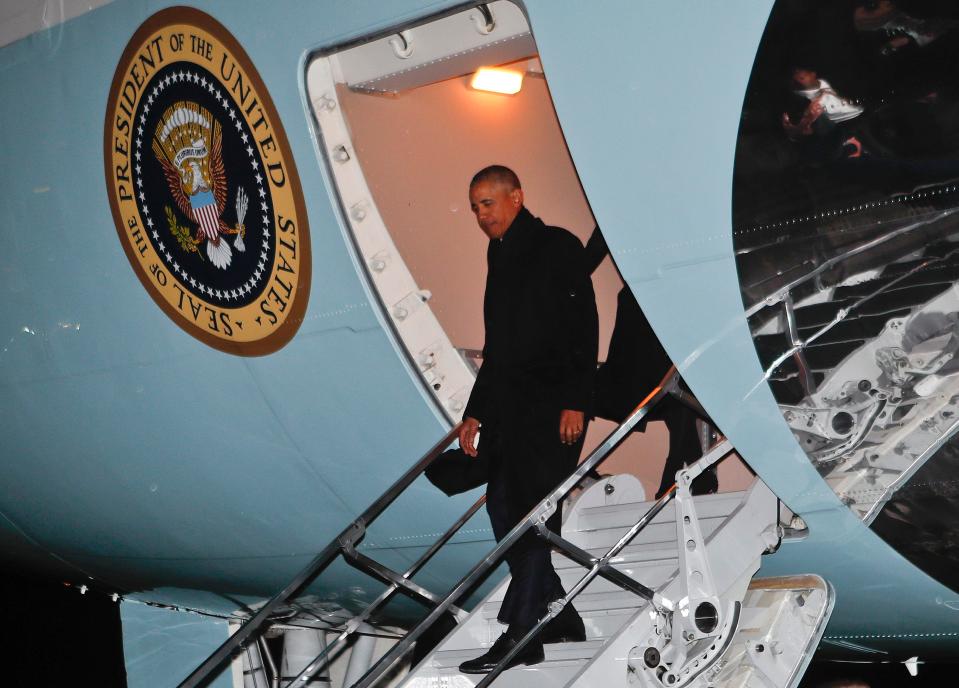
(771, 625)
(445, 372)
(442, 49)
(766, 630)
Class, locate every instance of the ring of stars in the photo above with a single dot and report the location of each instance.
(225, 102)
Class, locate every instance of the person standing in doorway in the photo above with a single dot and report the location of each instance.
(635, 364)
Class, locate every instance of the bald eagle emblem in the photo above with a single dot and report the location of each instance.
(188, 144)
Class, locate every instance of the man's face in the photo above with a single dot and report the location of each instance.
(495, 206)
(806, 79)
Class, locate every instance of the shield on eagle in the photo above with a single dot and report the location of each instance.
(188, 144)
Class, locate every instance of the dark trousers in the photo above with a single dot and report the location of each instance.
(527, 460)
(684, 447)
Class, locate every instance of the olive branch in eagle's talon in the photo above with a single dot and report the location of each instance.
(182, 234)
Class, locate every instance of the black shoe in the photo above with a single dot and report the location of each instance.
(705, 483)
(531, 654)
(566, 628)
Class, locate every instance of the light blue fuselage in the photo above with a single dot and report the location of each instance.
(138, 456)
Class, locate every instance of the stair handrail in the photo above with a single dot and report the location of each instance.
(780, 292)
(540, 513)
(347, 539)
(345, 544)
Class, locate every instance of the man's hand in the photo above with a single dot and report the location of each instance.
(570, 426)
(468, 431)
(895, 44)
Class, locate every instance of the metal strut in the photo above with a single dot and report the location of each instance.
(702, 625)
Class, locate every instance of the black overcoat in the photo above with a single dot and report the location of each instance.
(540, 321)
(539, 358)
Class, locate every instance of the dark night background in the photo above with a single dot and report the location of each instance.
(53, 635)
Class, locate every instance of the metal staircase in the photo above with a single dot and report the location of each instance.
(766, 639)
(665, 589)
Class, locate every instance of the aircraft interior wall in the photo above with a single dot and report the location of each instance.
(418, 150)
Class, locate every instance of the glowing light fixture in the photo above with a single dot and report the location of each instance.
(497, 80)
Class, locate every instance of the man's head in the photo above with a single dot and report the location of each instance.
(804, 78)
(496, 197)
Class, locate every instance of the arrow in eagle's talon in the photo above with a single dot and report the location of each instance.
(238, 243)
(241, 204)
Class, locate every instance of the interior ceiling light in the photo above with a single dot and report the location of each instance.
(497, 80)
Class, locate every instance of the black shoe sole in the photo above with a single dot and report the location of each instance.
(564, 639)
(516, 662)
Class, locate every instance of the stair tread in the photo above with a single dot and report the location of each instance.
(633, 552)
(586, 603)
(658, 531)
(703, 502)
(556, 653)
(707, 506)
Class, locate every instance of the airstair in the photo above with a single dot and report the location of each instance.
(771, 625)
(666, 589)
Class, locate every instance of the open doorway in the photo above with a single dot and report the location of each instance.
(404, 132)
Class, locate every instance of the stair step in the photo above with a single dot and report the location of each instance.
(603, 606)
(647, 567)
(649, 573)
(586, 602)
(630, 554)
(543, 675)
(555, 652)
(562, 662)
(708, 507)
(656, 533)
(600, 622)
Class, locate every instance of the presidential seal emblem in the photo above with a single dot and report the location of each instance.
(203, 187)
